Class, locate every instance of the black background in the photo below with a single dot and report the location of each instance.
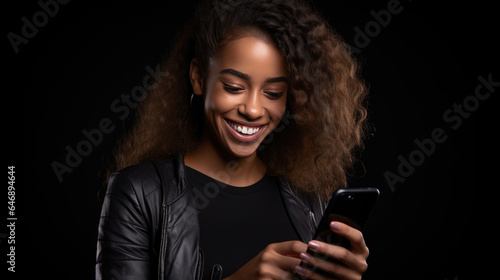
(437, 224)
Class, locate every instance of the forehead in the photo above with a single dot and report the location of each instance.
(249, 54)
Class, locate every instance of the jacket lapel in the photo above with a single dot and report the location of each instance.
(304, 212)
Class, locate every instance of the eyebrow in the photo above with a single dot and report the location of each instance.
(276, 80)
(247, 77)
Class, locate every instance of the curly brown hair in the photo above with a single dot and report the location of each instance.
(326, 117)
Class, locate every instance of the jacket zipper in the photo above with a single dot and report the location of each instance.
(201, 265)
(163, 243)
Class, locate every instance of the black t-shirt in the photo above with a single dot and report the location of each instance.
(237, 223)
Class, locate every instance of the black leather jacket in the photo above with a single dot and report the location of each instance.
(149, 228)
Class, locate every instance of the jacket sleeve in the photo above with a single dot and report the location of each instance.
(123, 244)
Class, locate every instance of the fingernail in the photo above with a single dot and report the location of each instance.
(313, 245)
(304, 257)
(335, 226)
(300, 270)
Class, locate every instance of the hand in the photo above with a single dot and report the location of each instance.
(349, 264)
(276, 261)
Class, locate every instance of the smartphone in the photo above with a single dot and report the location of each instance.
(351, 206)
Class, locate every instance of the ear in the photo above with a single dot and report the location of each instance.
(196, 77)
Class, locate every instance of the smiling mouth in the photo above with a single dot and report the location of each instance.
(243, 129)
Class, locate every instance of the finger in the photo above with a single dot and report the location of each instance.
(284, 263)
(340, 254)
(269, 271)
(285, 255)
(354, 236)
(273, 272)
(334, 268)
(309, 274)
(289, 248)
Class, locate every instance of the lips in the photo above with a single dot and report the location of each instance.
(244, 133)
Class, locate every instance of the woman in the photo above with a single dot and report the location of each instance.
(233, 156)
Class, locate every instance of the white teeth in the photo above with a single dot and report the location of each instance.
(244, 130)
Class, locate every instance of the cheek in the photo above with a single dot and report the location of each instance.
(277, 111)
(217, 103)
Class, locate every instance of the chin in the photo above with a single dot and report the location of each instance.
(243, 151)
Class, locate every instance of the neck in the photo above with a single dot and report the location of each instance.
(238, 172)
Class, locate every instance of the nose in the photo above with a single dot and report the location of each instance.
(252, 107)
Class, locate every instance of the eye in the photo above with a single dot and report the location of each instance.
(231, 89)
(274, 95)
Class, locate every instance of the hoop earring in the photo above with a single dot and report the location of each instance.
(191, 100)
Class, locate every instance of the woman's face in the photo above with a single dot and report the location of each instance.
(245, 95)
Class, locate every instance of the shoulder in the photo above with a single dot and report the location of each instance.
(146, 179)
(142, 178)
